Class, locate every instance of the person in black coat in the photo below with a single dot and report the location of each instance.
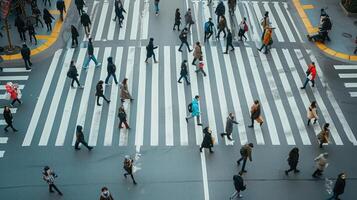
(128, 167)
(99, 92)
(8, 119)
(184, 72)
(183, 38)
(119, 10)
(61, 7)
(220, 10)
(26, 55)
(111, 68)
(339, 187)
(238, 186)
(207, 140)
(229, 41)
(177, 19)
(79, 4)
(31, 30)
(122, 118)
(85, 20)
(80, 139)
(45, 1)
(293, 161)
(75, 35)
(21, 27)
(229, 126)
(47, 17)
(37, 14)
(73, 74)
(150, 50)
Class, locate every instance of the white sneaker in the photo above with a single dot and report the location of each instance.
(240, 196)
(81, 87)
(99, 64)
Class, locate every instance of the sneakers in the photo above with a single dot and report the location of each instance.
(99, 64)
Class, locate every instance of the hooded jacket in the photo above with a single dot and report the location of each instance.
(111, 68)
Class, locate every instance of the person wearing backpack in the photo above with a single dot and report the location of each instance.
(184, 72)
(73, 74)
(208, 29)
(183, 38)
(177, 19)
(128, 167)
(49, 176)
(220, 10)
(239, 186)
(194, 109)
(245, 152)
(150, 50)
(243, 28)
(122, 118)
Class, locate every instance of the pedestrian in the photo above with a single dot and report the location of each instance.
(37, 14)
(184, 72)
(150, 51)
(229, 126)
(31, 31)
(75, 36)
(45, 1)
(124, 91)
(255, 114)
(111, 68)
(209, 2)
(267, 40)
(238, 186)
(310, 71)
(229, 42)
(156, 4)
(122, 118)
(177, 19)
(324, 135)
(312, 113)
(188, 19)
(73, 74)
(47, 18)
(355, 51)
(265, 23)
(80, 4)
(61, 7)
(21, 27)
(208, 140)
(49, 176)
(85, 21)
(15, 94)
(222, 25)
(232, 6)
(208, 29)
(183, 38)
(90, 51)
(194, 109)
(33, 4)
(80, 139)
(293, 160)
(26, 56)
(321, 165)
(339, 187)
(197, 52)
(128, 167)
(100, 92)
(8, 119)
(220, 10)
(243, 28)
(201, 66)
(119, 10)
(245, 152)
(105, 194)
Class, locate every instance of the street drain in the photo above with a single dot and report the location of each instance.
(346, 35)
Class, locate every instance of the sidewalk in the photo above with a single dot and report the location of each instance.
(344, 28)
(44, 39)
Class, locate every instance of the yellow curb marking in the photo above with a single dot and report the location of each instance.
(54, 12)
(310, 29)
(42, 37)
(309, 6)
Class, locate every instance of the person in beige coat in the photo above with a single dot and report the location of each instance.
(255, 114)
(124, 91)
(324, 135)
(197, 53)
(312, 113)
(321, 164)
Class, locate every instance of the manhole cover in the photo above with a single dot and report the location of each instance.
(346, 35)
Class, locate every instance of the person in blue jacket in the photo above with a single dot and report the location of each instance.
(194, 109)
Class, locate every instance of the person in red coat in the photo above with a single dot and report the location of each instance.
(310, 71)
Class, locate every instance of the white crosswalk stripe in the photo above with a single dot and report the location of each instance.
(169, 132)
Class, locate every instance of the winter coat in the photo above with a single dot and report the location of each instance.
(99, 90)
(85, 20)
(128, 165)
(60, 5)
(246, 151)
(79, 134)
(122, 114)
(7, 116)
(183, 36)
(25, 52)
(293, 158)
(312, 113)
(31, 29)
(188, 18)
(222, 24)
(20, 24)
(321, 162)
(47, 17)
(13, 94)
(90, 49)
(229, 38)
(183, 71)
(255, 111)
(311, 71)
(324, 136)
(197, 53)
(177, 18)
(238, 183)
(111, 68)
(229, 124)
(79, 3)
(195, 107)
(150, 49)
(72, 72)
(207, 139)
(220, 10)
(74, 32)
(124, 92)
(339, 187)
(106, 196)
(267, 36)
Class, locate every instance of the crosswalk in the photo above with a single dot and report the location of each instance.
(138, 16)
(349, 74)
(156, 116)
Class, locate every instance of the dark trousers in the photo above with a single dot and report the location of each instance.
(115, 78)
(76, 80)
(52, 186)
(87, 29)
(201, 70)
(81, 142)
(27, 63)
(194, 61)
(208, 35)
(153, 55)
(243, 36)
(49, 27)
(334, 196)
(131, 175)
(80, 10)
(292, 168)
(38, 20)
(307, 81)
(61, 14)
(219, 33)
(186, 43)
(13, 101)
(244, 162)
(74, 41)
(198, 118)
(103, 98)
(22, 35)
(228, 135)
(34, 37)
(210, 148)
(229, 45)
(317, 172)
(178, 26)
(185, 77)
(9, 124)
(309, 120)
(49, 2)
(123, 122)
(264, 46)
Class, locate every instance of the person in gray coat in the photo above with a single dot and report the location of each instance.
(229, 126)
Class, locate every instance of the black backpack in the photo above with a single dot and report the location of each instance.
(69, 74)
(189, 107)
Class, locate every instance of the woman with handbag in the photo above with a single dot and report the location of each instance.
(312, 113)
(255, 114)
(243, 28)
(324, 135)
(124, 91)
(208, 140)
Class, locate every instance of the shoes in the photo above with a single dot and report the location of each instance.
(297, 171)
(98, 104)
(221, 134)
(180, 50)
(134, 182)
(201, 150)
(99, 64)
(302, 88)
(108, 101)
(28, 68)
(90, 148)
(51, 191)
(6, 130)
(199, 124)
(81, 86)
(232, 49)
(146, 61)
(125, 175)
(190, 50)
(238, 163)
(15, 130)
(261, 123)
(211, 151)
(179, 81)
(188, 83)
(250, 126)
(226, 52)
(186, 119)
(156, 62)
(77, 148)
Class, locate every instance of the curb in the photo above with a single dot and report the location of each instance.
(310, 29)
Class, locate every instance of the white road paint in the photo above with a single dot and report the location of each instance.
(145, 21)
(3, 140)
(2, 87)
(274, 24)
(135, 20)
(11, 69)
(14, 78)
(102, 20)
(353, 94)
(345, 67)
(251, 20)
(123, 29)
(112, 24)
(13, 110)
(93, 16)
(169, 132)
(350, 85)
(2, 154)
(154, 139)
(204, 175)
(285, 23)
(348, 75)
(292, 21)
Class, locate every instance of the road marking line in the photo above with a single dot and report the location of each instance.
(348, 75)
(277, 31)
(343, 67)
(145, 21)
(285, 23)
(135, 20)
(255, 34)
(195, 11)
(45, 135)
(154, 139)
(353, 94)
(123, 29)
(350, 85)
(3, 140)
(2, 122)
(292, 21)
(22, 69)
(14, 78)
(2, 154)
(112, 24)
(169, 137)
(2, 87)
(41, 99)
(204, 175)
(63, 128)
(101, 23)
(13, 110)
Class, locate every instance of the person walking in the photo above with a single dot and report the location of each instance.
(310, 71)
(183, 38)
(312, 113)
(321, 165)
(90, 51)
(177, 19)
(80, 4)
(122, 118)
(15, 94)
(124, 91)
(105, 194)
(111, 68)
(8, 119)
(255, 114)
(245, 152)
(229, 42)
(156, 4)
(184, 72)
(100, 92)
(201, 66)
(243, 28)
(339, 187)
(207, 140)
(49, 176)
(194, 109)
(222, 25)
(73, 74)
(229, 126)
(119, 10)
(80, 139)
(209, 2)
(45, 1)
(197, 52)
(209, 26)
(267, 40)
(47, 18)
(293, 160)
(324, 135)
(232, 6)
(21, 27)
(31, 31)
(238, 186)
(150, 51)
(61, 7)
(128, 167)
(85, 21)
(26, 56)
(265, 23)
(75, 36)
(37, 14)
(188, 19)
(220, 10)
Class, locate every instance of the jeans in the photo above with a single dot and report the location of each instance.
(87, 29)
(83, 142)
(307, 81)
(90, 57)
(9, 125)
(184, 42)
(185, 77)
(229, 44)
(27, 63)
(75, 79)
(156, 8)
(153, 55)
(264, 46)
(13, 101)
(208, 35)
(244, 162)
(111, 74)
(51, 186)
(219, 33)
